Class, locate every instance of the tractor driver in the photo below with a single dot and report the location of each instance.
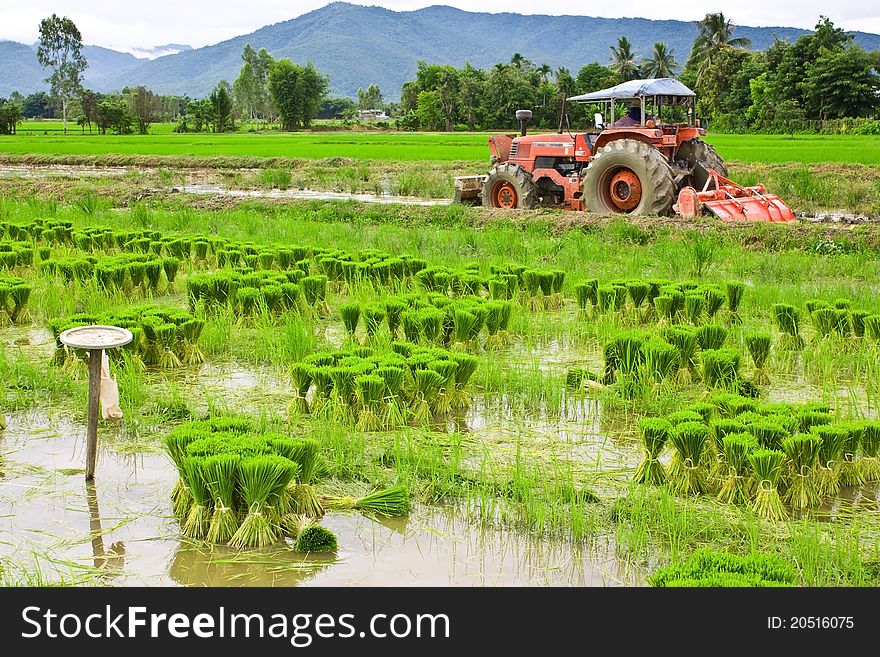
(632, 118)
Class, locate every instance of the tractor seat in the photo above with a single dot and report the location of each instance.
(591, 142)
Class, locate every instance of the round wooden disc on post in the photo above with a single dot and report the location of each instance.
(94, 339)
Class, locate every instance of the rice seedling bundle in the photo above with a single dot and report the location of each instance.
(705, 410)
(655, 434)
(711, 336)
(220, 475)
(684, 415)
(824, 320)
(872, 327)
(426, 387)
(769, 434)
(393, 308)
(315, 538)
(735, 293)
(259, 479)
(711, 568)
(767, 467)
(834, 438)
(606, 298)
(198, 517)
(735, 467)
(685, 340)
(620, 295)
(802, 451)
(849, 473)
(374, 316)
(301, 376)
(759, 349)
(638, 292)
(857, 322)
(787, 320)
(351, 314)
(720, 367)
(693, 307)
(665, 306)
(870, 460)
(721, 427)
(686, 474)
(370, 390)
(465, 323)
(390, 502)
(623, 353)
(661, 358)
(714, 300)
(808, 419)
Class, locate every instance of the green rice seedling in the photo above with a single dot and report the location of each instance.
(808, 419)
(176, 444)
(351, 314)
(714, 300)
(664, 304)
(758, 345)
(685, 472)
(802, 451)
(841, 323)
(394, 307)
(620, 295)
(170, 266)
(315, 292)
(301, 376)
(834, 439)
(685, 340)
(857, 322)
(304, 499)
(390, 502)
(412, 326)
(842, 303)
(768, 433)
(735, 467)
(705, 410)
(190, 331)
(872, 327)
(426, 389)
(315, 539)
(198, 518)
(824, 321)
(693, 307)
(721, 427)
(166, 338)
(259, 478)
(813, 305)
(787, 320)
(638, 292)
(711, 336)
(655, 434)
(711, 568)
(870, 459)
(583, 294)
(661, 358)
(849, 473)
(577, 376)
(767, 467)
(606, 297)
(374, 317)
(220, 474)
(590, 291)
(248, 300)
(370, 390)
(623, 353)
(467, 366)
(431, 324)
(494, 310)
(272, 297)
(464, 323)
(152, 272)
(678, 417)
(720, 368)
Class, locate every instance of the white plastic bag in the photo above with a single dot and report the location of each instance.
(109, 392)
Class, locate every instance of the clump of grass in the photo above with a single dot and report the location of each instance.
(686, 474)
(655, 434)
(736, 484)
(802, 451)
(315, 538)
(767, 467)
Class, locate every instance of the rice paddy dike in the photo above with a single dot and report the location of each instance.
(635, 394)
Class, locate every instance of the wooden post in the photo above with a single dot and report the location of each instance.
(94, 400)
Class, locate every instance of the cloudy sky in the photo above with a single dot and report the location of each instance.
(129, 26)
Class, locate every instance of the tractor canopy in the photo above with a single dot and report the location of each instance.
(668, 87)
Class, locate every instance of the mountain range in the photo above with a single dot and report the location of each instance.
(356, 46)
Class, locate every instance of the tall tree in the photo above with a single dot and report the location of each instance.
(370, 98)
(251, 87)
(715, 33)
(221, 106)
(661, 63)
(623, 59)
(60, 50)
(145, 107)
(296, 92)
(89, 103)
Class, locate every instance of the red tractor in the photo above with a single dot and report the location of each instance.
(636, 165)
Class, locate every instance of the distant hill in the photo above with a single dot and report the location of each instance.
(357, 46)
(21, 71)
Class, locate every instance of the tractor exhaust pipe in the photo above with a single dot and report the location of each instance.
(523, 116)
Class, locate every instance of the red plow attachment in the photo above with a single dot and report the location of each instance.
(732, 202)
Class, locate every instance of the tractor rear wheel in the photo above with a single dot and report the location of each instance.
(696, 151)
(631, 177)
(510, 187)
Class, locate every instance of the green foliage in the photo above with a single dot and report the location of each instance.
(712, 568)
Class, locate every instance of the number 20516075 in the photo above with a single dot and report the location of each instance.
(810, 623)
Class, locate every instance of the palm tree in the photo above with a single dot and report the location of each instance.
(518, 60)
(623, 59)
(661, 63)
(544, 70)
(715, 34)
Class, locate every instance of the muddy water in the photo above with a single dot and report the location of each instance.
(121, 532)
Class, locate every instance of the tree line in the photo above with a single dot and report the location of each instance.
(820, 77)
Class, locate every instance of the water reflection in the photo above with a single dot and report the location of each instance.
(111, 561)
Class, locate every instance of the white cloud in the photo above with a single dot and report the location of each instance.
(136, 26)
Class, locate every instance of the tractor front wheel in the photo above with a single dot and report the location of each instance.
(628, 177)
(510, 187)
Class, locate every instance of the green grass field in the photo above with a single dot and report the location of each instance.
(45, 138)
